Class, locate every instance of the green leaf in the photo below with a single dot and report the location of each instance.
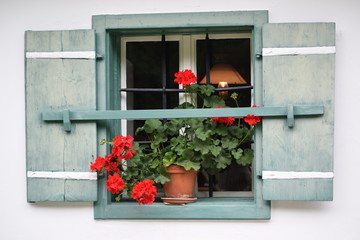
(161, 179)
(215, 150)
(223, 160)
(238, 132)
(155, 163)
(152, 125)
(203, 133)
(213, 101)
(188, 164)
(188, 154)
(169, 159)
(159, 138)
(207, 161)
(185, 105)
(221, 129)
(118, 198)
(201, 146)
(193, 88)
(163, 176)
(247, 157)
(237, 153)
(195, 123)
(206, 90)
(229, 143)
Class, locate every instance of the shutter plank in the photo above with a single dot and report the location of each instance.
(306, 79)
(59, 84)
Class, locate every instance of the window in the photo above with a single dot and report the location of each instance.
(287, 81)
(189, 46)
(145, 72)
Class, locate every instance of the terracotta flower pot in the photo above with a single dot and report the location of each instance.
(181, 185)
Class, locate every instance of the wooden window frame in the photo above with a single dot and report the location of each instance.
(108, 29)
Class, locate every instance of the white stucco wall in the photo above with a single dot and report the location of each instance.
(339, 219)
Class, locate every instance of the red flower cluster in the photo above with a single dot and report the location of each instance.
(98, 164)
(225, 120)
(120, 151)
(115, 183)
(121, 146)
(109, 163)
(185, 77)
(252, 119)
(144, 192)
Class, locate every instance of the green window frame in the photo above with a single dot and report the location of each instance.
(108, 29)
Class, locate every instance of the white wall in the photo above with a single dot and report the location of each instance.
(339, 219)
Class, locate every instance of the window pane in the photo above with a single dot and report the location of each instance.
(144, 63)
(234, 53)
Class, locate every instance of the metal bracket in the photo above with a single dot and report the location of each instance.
(290, 116)
(66, 121)
(258, 55)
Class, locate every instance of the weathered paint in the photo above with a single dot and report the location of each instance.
(297, 51)
(295, 175)
(299, 79)
(62, 55)
(63, 175)
(58, 84)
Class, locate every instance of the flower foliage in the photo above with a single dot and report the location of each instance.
(210, 143)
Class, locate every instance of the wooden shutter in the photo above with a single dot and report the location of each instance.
(298, 69)
(60, 75)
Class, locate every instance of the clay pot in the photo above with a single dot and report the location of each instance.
(182, 182)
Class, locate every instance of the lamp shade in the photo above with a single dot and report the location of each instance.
(224, 73)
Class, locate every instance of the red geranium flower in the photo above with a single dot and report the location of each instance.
(122, 142)
(98, 164)
(111, 164)
(144, 192)
(225, 120)
(115, 183)
(252, 119)
(185, 77)
(128, 154)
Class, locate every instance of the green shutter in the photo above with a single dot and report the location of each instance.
(298, 68)
(60, 75)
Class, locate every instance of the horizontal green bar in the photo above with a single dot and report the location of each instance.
(183, 113)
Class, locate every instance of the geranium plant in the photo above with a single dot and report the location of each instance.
(129, 171)
(210, 143)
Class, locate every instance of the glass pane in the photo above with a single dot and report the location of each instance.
(144, 63)
(235, 53)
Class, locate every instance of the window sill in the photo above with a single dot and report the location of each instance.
(203, 208)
